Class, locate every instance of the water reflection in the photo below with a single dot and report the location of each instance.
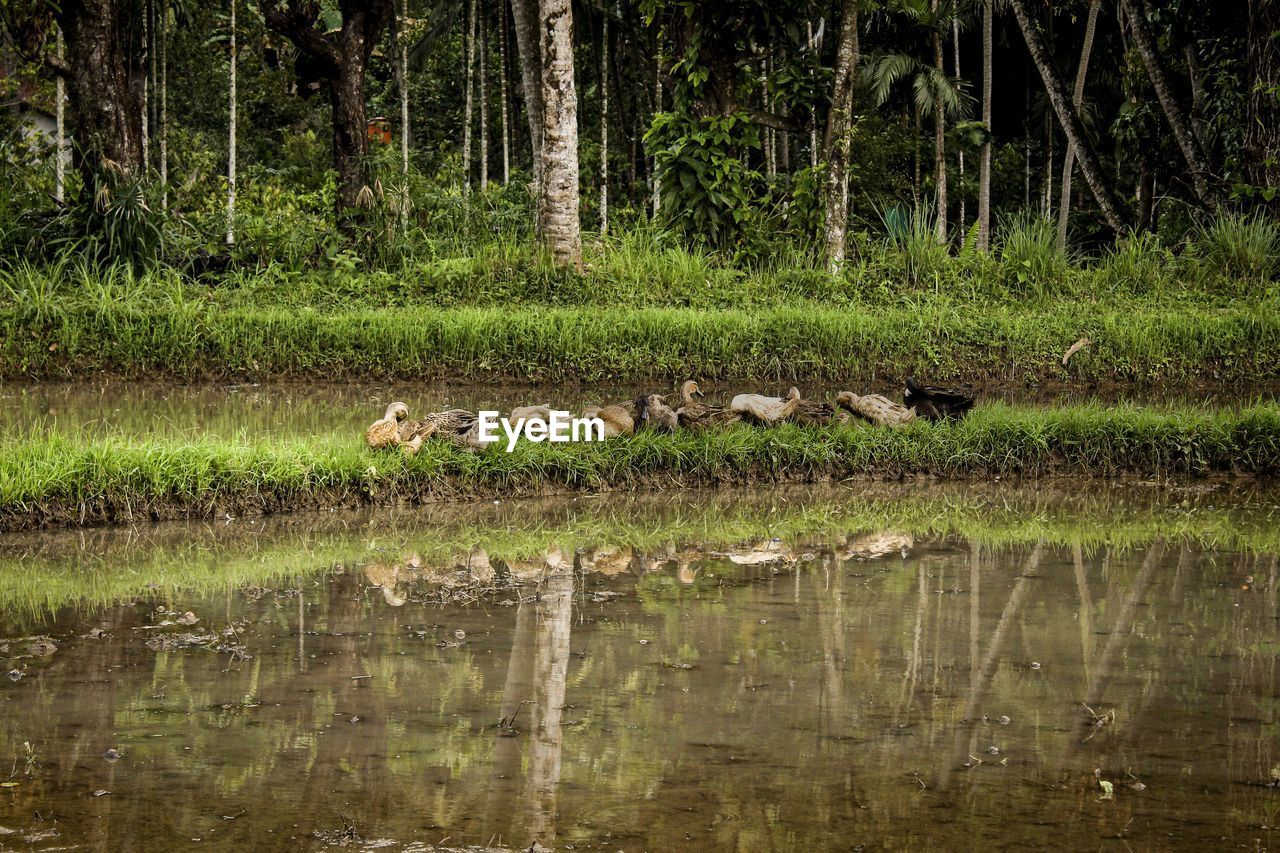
(823, 686)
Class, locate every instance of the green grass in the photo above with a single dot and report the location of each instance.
(481, 308)
(50, 478)
(939, 340)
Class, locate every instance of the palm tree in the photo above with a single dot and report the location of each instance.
(558, 189)
(1197, 163)
(1068, 118)
(1077, 98)
(984, 169)
(231, 134)
(933, 90)
(835, 145)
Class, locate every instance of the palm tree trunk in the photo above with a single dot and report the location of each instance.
(470, 54)
(1187, 142)
(164, 106)
(915, 156)
(604, 124)
(147, 77)
(1026, 146)
(657, 108)
(558, 199)
(1077, 98)
(505, 95)
(836, 141)
(483, 94)
(955, 46)
(403, 81)
(939, 141)
(1069, 119)
(528, 46)
(231, 136)
(770, 165)
(813, 121)
(60, 144)
(984, 176)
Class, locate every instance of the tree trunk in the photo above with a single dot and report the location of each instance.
(529, 47)
(1187, 142)
(340, 59)
(955, 45)
(106, 115)
(915, 153)
(1077, 98)
(984, 175)
(604, 124)
(470, 54)
(657, 108)
(813, 119)
(505, 96)
(60, 147)
(1262, 133)
(231, 133)
(770, 166)
(148, 59)
(558, 199)
(1069, 119)
(350, 136)
(1026, 145)
(164, 105)
(483, 94)
(402, 83)
(836, 142)
(939, 141)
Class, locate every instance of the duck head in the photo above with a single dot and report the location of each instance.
(793, 394)
(396, 412)
(688, 390)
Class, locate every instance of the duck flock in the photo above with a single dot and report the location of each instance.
(661, 413)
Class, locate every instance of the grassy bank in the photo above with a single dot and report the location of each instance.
(647, 308)
(937, 338)
(52, 480)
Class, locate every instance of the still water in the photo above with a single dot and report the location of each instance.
(907, 667)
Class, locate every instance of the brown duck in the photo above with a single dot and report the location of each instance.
(385, 432)
(695, 415)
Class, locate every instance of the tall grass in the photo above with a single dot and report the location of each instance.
(1241, 247)
(59, 479)
(183, 338)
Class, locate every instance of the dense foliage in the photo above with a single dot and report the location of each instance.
(716, 117)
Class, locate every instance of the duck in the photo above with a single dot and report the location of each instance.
(385, 432)
(876, 408)
(618, 419)
(766, 411)
(934, 403)
(531, 413)
(459, 427)
(813, 412)
(694, 415)
(652, 410)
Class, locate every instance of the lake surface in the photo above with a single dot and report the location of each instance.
(231, 409)
(888, 667)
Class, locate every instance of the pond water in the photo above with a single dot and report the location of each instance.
(146, 408)
(934, 667)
